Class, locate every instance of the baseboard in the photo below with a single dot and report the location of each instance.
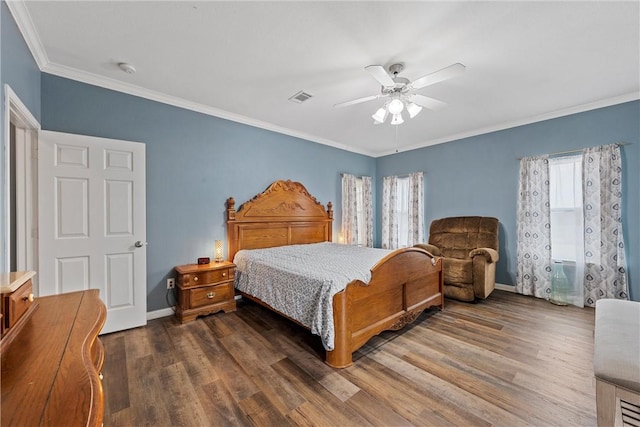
(169, 311)
(506, 288)
(165, 312)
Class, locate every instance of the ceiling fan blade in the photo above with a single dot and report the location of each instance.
(438, 76)
(380, 74)
(426, 102)
(357, 101)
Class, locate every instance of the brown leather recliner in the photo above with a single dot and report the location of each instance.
(469, 246)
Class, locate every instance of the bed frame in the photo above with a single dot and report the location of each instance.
(403, 284)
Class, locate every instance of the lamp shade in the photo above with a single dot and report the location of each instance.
(395, 106)
(218, 250)
(413, 109)
(380, 116)
(397, 119)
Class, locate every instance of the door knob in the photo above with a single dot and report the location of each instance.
(139, 244)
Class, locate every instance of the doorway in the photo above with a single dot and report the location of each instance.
(21, 136)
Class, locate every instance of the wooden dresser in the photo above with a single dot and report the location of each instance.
(205, 289)
(51, 369)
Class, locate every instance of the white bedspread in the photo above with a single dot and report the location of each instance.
(301, 280)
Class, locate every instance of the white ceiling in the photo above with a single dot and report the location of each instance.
(526, 61)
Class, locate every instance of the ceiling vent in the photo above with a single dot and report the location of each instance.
(300, 97)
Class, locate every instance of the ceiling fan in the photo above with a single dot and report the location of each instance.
(402, 91)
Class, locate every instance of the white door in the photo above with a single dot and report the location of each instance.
(92, 228)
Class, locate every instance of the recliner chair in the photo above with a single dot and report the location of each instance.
(469, 247)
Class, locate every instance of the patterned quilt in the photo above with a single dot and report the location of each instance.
(301, 280)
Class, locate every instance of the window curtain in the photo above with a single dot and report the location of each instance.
(389, 214)
(533, 275)
(349, 209)
(605, 264)
(367, 195)
(416, 208)
(402, 210)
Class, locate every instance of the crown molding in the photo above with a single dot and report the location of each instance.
(621, 99)
(116, 85)
(25, 24)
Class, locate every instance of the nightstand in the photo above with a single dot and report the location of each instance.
(204, 289)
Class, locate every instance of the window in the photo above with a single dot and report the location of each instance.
(402, 210)
(361, 235)
(565, 199)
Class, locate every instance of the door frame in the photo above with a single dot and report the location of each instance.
(18, 114)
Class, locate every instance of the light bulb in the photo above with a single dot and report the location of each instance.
(380, 116)
(397, 119)
(413, 109)
(395, 106)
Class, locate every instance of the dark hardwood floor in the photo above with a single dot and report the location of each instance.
(508, 361)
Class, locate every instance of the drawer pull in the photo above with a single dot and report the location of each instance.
(29, 298)
(224, 274)
(195, 279)
(210, 295)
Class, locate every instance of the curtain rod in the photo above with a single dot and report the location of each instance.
(578, 150)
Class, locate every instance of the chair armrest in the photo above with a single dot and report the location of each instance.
(433, 250)
(490, 254)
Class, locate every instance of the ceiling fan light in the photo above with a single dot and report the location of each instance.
(397, 119)
(395, 106)
(380, 116)
(413, 109)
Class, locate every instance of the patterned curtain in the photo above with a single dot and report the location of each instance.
(416, 208)
(389, 214)
(605, 263)
(533, 275)
(349, 210)
(367, 190)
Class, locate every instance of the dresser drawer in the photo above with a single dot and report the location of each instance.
(17, 303)
(207, 277)
(208, 295)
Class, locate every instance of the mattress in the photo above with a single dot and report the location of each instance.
(301, 280)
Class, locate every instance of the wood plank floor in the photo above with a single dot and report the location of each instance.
(510, 360)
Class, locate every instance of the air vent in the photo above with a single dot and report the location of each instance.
(300, 97)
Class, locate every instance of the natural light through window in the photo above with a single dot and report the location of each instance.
(360, 218)
(565, 176)
(402, 209)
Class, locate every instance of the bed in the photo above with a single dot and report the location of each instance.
(403, 283)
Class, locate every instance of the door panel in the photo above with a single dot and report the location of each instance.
(72, 208)
(72, 274)
(119, 208)
(92, 211)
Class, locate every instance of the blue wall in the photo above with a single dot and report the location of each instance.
(19, 70)
(194, 163)
(479, 175)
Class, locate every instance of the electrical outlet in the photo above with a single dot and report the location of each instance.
(171, 283)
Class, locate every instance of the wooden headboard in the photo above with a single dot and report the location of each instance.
(283, 214)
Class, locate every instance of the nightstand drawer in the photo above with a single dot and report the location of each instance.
(18, 303)
(210, 294)
(207, 277)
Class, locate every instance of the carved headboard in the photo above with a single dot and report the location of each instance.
(283, 214)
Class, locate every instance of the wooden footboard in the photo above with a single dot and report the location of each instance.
(403, 284)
